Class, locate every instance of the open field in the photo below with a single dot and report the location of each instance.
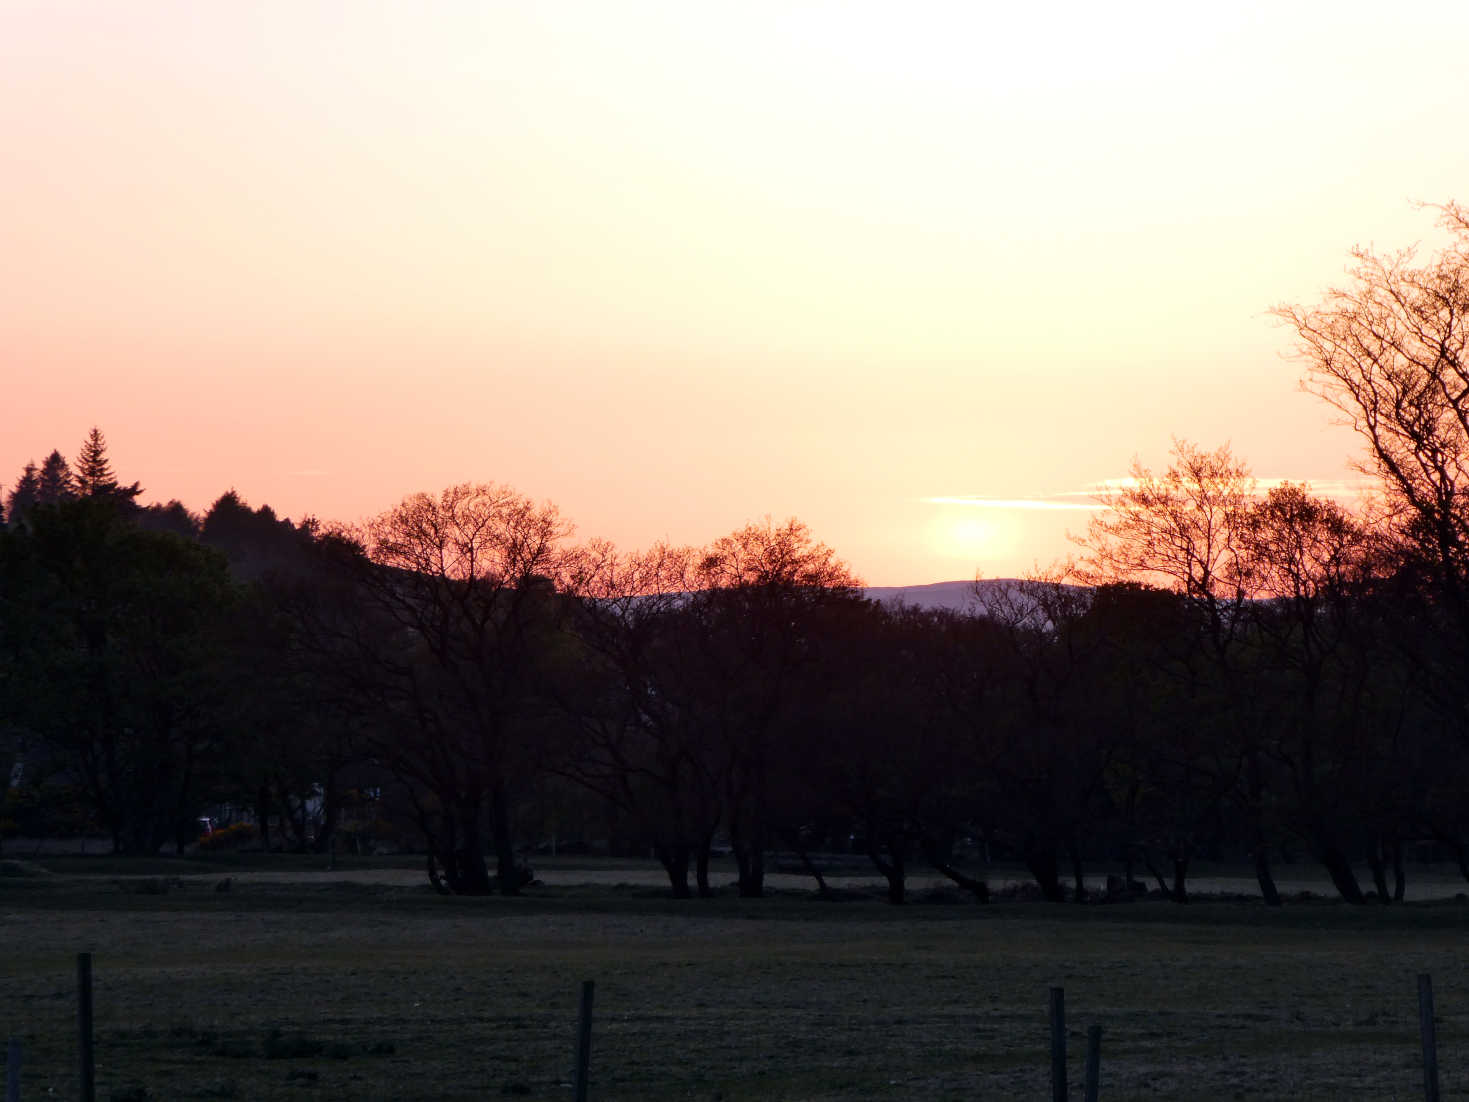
(361, 984)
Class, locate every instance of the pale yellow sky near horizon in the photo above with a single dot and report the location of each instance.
(678, 266)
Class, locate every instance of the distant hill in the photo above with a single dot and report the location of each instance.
(958, 596)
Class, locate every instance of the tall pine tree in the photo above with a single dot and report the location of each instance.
(94, 477)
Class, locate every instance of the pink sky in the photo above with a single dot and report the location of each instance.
(678, 266)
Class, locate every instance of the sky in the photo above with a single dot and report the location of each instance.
(914, 273)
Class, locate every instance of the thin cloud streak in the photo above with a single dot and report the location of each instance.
(1011, 503)
(1096, 495)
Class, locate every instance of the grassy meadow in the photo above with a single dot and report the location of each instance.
(299, 984)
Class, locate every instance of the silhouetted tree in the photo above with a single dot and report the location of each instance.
(1388, 350)
(254, 540)
(94, 477)
(876, 738)
(54, 483)
(467, 580)
(126, 653)
(1308, 563)
(1185, 530)
(635, 735)
(24, 494)
(758, 592)
(1152, 690)
(173, 517)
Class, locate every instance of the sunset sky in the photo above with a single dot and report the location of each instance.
(676, 266)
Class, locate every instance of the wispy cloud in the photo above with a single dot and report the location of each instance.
(1094, 497)
(1054, 502)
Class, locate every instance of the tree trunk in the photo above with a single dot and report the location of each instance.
(1153, 871)
(897, 879)
(1378, 865)
(980, 889)
(1078, 876)
(1399, 875)
(470, 876)
(1461, 855)
(794, 838)
(507, 872)
(1340, 870)
(675, 862)
(1042, 863)
(1180, 878)
(891, 868)
(330, 812)
(750, 858)
(434, 877)
(701, 870)
(1263, 876)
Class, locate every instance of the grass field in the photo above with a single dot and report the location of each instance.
(297, 984)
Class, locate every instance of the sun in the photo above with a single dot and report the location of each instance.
(975, 537)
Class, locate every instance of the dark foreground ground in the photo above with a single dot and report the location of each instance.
(300, 984)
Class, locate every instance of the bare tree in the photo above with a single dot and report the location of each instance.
(1185, 530)
(759, 593)
(1388, 350)
(1315, 666)
(468, 578)
(634, 738)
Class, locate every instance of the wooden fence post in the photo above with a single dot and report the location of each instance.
(86, 1067)
(1058, 1044)
(1093, 1083)
(12, 1070)
(584, 1042)
(1430, 1038)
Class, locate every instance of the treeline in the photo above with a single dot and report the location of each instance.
(503, 683)
(1226, 670)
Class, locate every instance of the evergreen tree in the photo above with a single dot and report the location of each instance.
(173, 517)
(228, 523)
(94, 477)
(26, 493)
(56, 483)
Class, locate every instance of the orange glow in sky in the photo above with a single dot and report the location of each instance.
(678, 266)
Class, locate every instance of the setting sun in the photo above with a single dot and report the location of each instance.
(971, 538)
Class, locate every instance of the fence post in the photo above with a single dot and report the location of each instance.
(1093, 1082)
(1430, 1039)
(85, 1066)
(12, 1070)
(1058, 1044)
(584, 1042)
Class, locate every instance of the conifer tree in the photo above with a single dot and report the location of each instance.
(94, 470)
(25, 494)
(56, 483)
(94, 477)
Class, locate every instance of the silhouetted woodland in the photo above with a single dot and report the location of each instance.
(1225, 671)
